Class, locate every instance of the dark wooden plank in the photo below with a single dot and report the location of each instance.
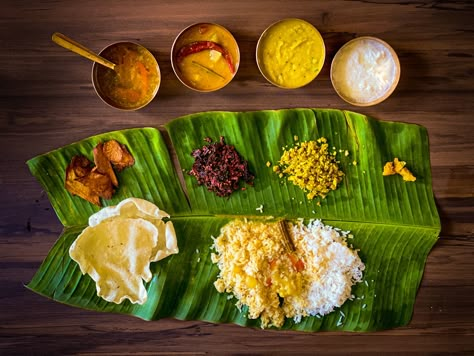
(47, 101)
(444, 324)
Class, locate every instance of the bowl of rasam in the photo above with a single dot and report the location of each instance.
(135, 80)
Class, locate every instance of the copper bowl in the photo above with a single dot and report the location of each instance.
(231, 47)
(267, 37)
(342, 89)
(99, 83)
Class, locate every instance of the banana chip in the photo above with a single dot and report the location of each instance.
(118, 245)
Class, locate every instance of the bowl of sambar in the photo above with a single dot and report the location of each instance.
(134, 82)
(205, 57)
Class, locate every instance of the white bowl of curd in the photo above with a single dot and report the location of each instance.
(365, 71)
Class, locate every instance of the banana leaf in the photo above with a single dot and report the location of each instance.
(395, 224)
(153, 177)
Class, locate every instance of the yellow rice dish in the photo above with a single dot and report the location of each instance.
(257, 269)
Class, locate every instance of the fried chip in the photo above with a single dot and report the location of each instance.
(81, 166)
(403, 171)
(98, 182)
(81, 190)
(398, 167)
(118, 155)
(167, 244)
(103, 165)
(118, 246)
(129, 208)
(140, 208)
(76, 172)
(389, 169)
(116, 254)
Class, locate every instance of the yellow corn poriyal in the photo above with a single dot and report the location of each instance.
(119, 244)
(310, 166)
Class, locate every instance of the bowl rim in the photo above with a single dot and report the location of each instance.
(176, 69)
(389, 91)
(266, 31)
(108, 101)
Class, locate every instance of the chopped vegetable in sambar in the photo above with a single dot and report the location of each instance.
(397, 166)
(134, 81)
(310, 166)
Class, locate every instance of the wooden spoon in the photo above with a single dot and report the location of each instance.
(75, 47)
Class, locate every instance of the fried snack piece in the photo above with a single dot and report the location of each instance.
(389, 169)
(81, 166)
(116, 254)
(103, 165)
(119, 244)
(143, 209)
(99, 184)
(92, 183)
(86, 182)
(398, 167)
(76, 173)
(118, 155)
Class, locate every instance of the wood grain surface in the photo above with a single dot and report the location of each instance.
(47, 101)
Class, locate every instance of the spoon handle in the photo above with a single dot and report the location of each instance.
(75, 47)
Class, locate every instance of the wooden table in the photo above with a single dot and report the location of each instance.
(47, 101)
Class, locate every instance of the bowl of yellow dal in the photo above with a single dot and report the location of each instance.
(205, 57)
(290, 53)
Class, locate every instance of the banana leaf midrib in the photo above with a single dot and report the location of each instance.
(275, 218)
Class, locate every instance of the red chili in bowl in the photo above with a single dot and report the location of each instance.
(199, 46)
(220, 168)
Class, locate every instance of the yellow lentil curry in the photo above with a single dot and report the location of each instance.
(205, 57)
(136, 77)
(290, 53)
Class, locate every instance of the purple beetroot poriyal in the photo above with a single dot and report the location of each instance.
(220, 168)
